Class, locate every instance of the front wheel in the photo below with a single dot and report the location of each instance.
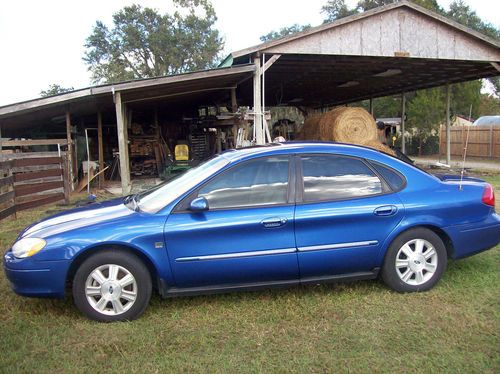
(112, 286)
(415, 261)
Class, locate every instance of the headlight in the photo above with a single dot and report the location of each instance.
(27, 247)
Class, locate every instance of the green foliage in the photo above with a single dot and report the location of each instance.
(284, 31)
(335, 9)
(388, 106)
(144, 43)
(463, 95)
(55, 89)
(425, 112)
(462, 13)
(489, 105)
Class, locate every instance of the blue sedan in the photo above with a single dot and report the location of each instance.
(278, 215)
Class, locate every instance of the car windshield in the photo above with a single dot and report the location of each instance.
(154, 199)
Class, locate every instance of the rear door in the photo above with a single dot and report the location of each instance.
(345, 210)
(246, 236)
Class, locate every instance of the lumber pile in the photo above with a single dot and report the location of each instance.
(344, 125)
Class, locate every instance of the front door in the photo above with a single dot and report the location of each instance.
(346, 213)
(246, 236)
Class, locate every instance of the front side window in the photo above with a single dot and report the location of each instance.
(337, 177)
(253, 183)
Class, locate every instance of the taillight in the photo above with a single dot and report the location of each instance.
(488, 195)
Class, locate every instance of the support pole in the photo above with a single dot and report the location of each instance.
(448, 125)
(70, 149)
(234, 103)
(121, 127)
(403, 117)
(101, 149)
(257, 103)
(371, 107)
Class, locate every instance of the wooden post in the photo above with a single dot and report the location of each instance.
(448, 125)
(121, 127)
(101, 149)
(66, 180)
(371, 107)
(70, 149)
(403, 117)
(0, 139)
(491, 140)
(234, 103)
(257, 103)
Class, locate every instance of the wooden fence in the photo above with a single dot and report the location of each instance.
(483, 141)
(31, 182)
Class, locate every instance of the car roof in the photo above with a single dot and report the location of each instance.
(304, 147)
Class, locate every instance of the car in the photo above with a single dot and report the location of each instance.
(277, 215)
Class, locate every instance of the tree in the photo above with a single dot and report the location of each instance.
(489, 105)
(336, 9)
(462, 13)
(144, 43)
(425, 112)
(55, 89)
(284, 31)
(463, 96)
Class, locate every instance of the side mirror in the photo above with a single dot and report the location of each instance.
(199, 204)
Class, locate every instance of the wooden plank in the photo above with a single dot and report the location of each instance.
(37, 161)
(7, 196)
(6, 165)
(8, 212)
(20, 177)
(66, 180)
(35, 203)
(6, 181)
(29, 189)
(30, 142)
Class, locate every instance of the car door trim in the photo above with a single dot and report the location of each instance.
(337, 246)
(237, 255)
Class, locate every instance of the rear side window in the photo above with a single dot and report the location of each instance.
(393, 178)
(253, 183)
(337, 177)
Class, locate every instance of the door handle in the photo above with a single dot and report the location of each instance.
(274, 222)
(386, 210)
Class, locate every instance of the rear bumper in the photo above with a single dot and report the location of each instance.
(36, 278)
(475, 237)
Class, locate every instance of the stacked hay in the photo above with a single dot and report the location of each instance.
(310, 130)
(344, 125)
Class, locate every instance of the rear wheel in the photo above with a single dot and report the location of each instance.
(415, 261)
(112, 286)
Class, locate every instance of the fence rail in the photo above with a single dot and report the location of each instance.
(27, 183)
(483, 141)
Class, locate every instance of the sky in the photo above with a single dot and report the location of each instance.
(42, 40)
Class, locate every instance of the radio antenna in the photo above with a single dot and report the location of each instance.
(465, 150)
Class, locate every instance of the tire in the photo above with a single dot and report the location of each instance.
(415, 261)
(112, 285)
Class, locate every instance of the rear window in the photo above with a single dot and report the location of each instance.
(392, 177)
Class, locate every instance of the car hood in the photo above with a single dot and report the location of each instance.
(77, 218)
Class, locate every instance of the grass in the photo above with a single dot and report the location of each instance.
(347, 327)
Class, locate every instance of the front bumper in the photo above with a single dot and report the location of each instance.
(29, 277)
(474, 237)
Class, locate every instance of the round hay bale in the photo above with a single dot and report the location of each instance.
(310, 129)
(375, 144)
(326, 124)
(348, 125)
